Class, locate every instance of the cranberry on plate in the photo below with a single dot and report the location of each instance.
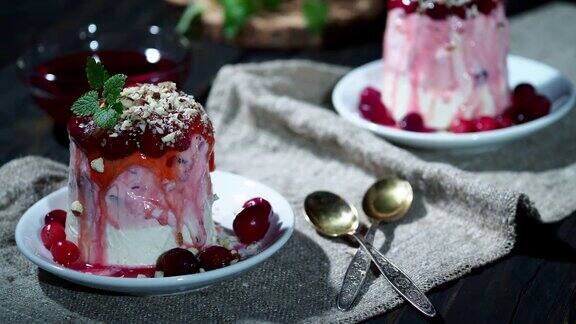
(372, 108)
(52, 233)
(252, 223)
(216, 257)
(177, 262)
(57, 215)
(65, 252)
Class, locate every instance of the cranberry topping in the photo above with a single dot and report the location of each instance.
(182, 142)
(437, 11)
(215, 257)
(177, 262)
(462, 126)
(57, 215)
(485, 6)
(372, 108)
(52, 233)
(86, 135)
(484, 124)
(151, 144)
(459, 11)
(65, 252)
(413, 122)
(252, 223)
(409, 6)
(119, 146)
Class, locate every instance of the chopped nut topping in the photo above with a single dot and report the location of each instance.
(76, 208)
(97, 165)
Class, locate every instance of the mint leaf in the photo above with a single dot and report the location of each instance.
(96, 73)
(87, 104)
(236, 15)
(105, 118)
(190, 18)
(117, 107)
(316, 14)
(267, 4)
(112, 88)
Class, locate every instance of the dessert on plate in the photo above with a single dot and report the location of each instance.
(445, 68)
(139, 186)
(142, 187)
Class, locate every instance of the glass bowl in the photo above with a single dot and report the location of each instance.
(54, 68)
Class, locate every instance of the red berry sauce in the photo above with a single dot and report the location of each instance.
(527, 105)
(441, 10)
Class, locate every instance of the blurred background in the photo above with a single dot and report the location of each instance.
(38, 68)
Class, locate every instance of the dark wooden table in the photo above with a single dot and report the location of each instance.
(536, 283)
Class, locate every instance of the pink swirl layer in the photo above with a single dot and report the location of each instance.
(446, 69)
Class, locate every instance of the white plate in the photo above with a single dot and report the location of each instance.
(232, 190)
(547, 80)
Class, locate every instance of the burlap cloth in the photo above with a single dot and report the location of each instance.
(272, 125)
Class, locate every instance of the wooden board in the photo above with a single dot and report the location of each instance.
(287, 29)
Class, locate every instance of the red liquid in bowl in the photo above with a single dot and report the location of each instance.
(57, 83)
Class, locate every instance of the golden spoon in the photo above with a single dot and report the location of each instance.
(386, 200)
(333, 216)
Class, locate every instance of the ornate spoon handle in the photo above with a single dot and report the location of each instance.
(399, 280)
(356, 273)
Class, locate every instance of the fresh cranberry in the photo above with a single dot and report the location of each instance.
(177, 262)
(183, 141)
(413, 122)
(57, 215)
(372, 108)
(539, 107)
(119, 146)
(523, 95)
(459, 11)
(52, 233)
(215, 257)
(505, 120)
(151, 144)
(87, 135)
(409, 6)
(252, 223)
(462, 126)
(257, 201)
(485, 6)
(516, 114)
(65, 252)
(484, 124)
(437, 11)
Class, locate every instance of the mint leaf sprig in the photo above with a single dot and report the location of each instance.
(102, 103)
(238, 12)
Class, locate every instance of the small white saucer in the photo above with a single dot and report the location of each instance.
(548, 81)
(232, 191)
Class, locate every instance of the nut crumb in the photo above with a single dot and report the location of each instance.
(76, 208)
(97, 165)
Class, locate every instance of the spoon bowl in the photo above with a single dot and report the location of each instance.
(388, 199)
(333, 216)
(330, 214)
